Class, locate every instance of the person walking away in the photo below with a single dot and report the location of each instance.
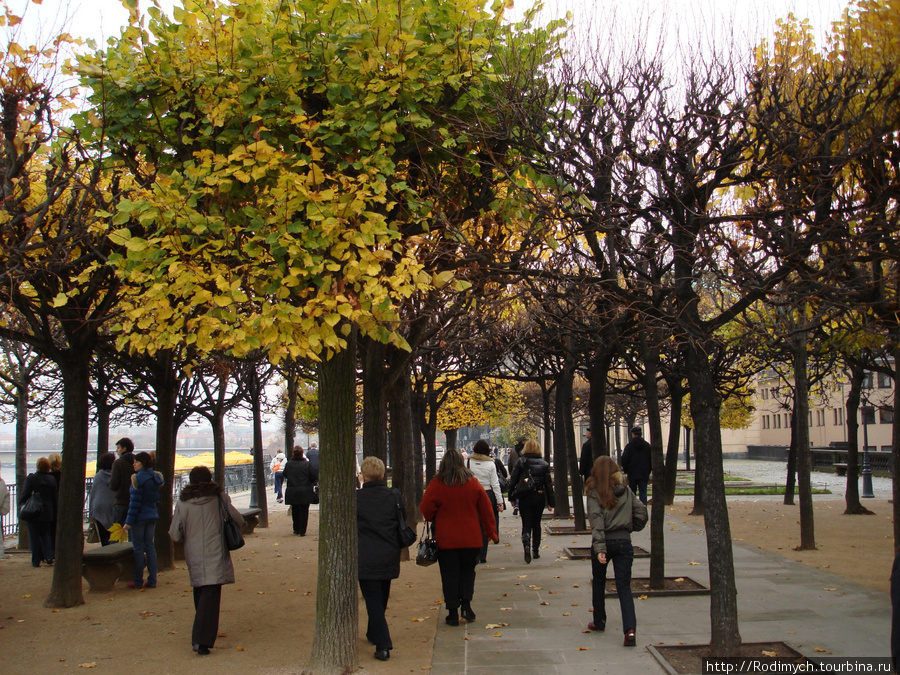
(637, 463)
(120, 478)
(378, 523)
(40, 528)
(485, 471)
(586, 461)
(461, 510)
(102, 501)
(277, 466)
(531, 506)
(614, 512)
(143, 512)
(313, 456)
(301, 480)
(197, 522)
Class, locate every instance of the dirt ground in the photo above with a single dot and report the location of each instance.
(268, 616)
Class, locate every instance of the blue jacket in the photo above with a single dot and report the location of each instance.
(143, 496)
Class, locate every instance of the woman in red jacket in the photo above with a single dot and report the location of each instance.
(460, 508)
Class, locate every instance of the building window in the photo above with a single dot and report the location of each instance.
(787, 420)
(867, 415)
(886, 415)
(868, 381)
(777, 420)
(838, 417)
(810, 418)
(884, 381)
(820, 418)
(887, 448)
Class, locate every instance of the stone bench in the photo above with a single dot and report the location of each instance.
(251, 520)
(840, 469)
(102, 566)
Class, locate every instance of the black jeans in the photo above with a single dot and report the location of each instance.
(621, 553)
(482, 553)
(300, 516)
(531, 508)
(376, 593)
(207, 600)
(457, 575)
(40, 535)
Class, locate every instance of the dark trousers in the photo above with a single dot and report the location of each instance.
(457, 575)
(142, 534)
(639, 485)
(531, 508)
(621, 553)
(207, 600)
(376, 593)
(300, 516)
(482, 552)
(40, 535)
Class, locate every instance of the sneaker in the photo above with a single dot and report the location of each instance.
(280, 500)
(630, 639)
(131, 584)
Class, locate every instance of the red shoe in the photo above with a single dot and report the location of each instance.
(131, 584)
(593, 626)
(630, 639)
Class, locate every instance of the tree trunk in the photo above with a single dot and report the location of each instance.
(334, 648)
(698, 477)
(560, 477)
(429, 430)
(418, 451)
(790, 479)
(851, 499)
(65, 590)
(895, 453)
(259, 469)
(103, 413)
(22, 458)
(800, 422)
(657, 505)
(548, 421)
(598, 376)
(403, 465)
(566, 424)
(676, 398)
(375, 410)
(165, 386)
(290, 409)
(450, 435)
(705, 409)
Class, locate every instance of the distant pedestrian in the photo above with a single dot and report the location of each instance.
(460, 509)
(613, 512)
(198, 522)
(40, 528)
(143, 512)
(120, 478)
(301, 481)
(4, 510)
(637, 463)
(55, 471)
(513, 457)
(102, 501)
(586, 461)
(531, 505)
(277, 466)
(377, 522)
(312, 454)
(485, 471)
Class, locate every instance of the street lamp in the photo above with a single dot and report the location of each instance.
(866, 466)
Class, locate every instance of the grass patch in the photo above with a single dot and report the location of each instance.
(763, 490)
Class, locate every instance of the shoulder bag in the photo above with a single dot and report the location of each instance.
(526, 485)
(428, 548)
(32, 508)
(406, 534)
(230, 530)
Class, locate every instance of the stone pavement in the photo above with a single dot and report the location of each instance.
(547, 607)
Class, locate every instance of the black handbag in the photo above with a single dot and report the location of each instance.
(526, 485)
(406, 534)
(315, 494)
(32, 508)
(230, 530)
(428, 548)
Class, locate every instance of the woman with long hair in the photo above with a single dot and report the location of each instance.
(198, 522)
(461, 510)
(614, 512)
(531, 505)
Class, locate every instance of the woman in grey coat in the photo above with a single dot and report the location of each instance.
(198, 521)
(103, 498)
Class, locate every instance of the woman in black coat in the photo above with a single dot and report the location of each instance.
(40, 529)
(301, 479)
(378, 522)
(531, 506)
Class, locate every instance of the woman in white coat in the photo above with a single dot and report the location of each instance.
(198, 521)
(482, 465)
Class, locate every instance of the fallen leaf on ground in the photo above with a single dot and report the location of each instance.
(642, 597)
(422, 618)
(830, 589)
(582, 649)
(497, 634)
(824, 651)
(567, 613)
(765, 653)
(88, 665)
(679, 580)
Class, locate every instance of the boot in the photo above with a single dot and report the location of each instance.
(526, 542)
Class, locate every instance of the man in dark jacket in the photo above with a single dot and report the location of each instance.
(586, 462)
(120, 478)
(636, 462)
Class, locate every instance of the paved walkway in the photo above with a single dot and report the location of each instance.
(546, 606)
